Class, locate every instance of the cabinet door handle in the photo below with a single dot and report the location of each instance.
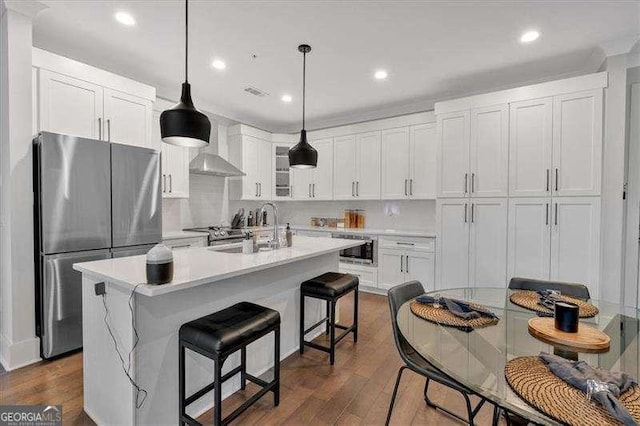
(164, 183)
(357, 188)
(109, 129)
(547, 180)
(314, 190)
(181, 246)
(405, 187)
(256, 189)
(170, 183)
(472, 210)
(99, 128)
(556, 218)
(410, 186)
(556, 179)
(406, 263)
(309, 191)
(353, 190)
(402, 243)
(401, 265)
(473, 183)
(546, 216)
(465, 212)
(466, 178)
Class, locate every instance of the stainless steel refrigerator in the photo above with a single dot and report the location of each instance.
(92, 200)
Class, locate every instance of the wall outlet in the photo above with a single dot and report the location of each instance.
(100, 289)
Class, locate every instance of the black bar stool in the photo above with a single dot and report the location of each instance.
(219, 335)
(330, 287)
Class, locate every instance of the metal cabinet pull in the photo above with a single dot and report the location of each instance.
(109, 129)
(556, 179)
(353, 191)
(547, 180)
(556, 219)
(465, 212)
(401, 265)
(410, 186)
(402, 243)
(100, 128)
(405, 187)
(164, 183)
(314, 190)
(546, 216)
(309, 190)
(259, 189)
(357, 188)
(256, 189)
(473, 183)
(406, 263)
(170, 183)
(472, 210)
(181, 246)
(466, 178)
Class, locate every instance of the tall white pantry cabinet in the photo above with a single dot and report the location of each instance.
(518, 185)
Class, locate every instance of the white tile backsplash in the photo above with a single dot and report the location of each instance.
(392, 214)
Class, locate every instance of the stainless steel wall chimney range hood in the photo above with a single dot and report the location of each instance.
(214, 165)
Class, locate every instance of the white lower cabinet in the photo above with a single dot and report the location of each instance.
(367, 275)
(556, 238)
(472, 242)
(402, 260)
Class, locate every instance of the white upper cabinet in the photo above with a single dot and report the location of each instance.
(409, 162)
(368, 166)
(395, 163)
(577, 143)
(127, 119)
(79, 100)
(452, 216)
(453, 154)
(254, 157)
(529, 238)
(345, 154)
(175, 163)
(70, 106)
(489, 152)
(356, 167)
(322, 175)
(488, 242)
(530, 148)
(302, 179)
(575, 241)
(422, 158)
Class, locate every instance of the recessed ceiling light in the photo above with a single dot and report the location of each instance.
(125, 19)
(380, 75)
(529, 36)
(218, 64)
(286, 98)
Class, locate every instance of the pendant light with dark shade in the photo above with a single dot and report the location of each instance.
(303, 155)
(184, 125)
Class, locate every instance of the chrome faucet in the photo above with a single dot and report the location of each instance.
(276, 238)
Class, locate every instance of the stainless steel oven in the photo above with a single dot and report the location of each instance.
(364, 254)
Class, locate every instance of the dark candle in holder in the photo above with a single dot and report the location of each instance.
(566, 316)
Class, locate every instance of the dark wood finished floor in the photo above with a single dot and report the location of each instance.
(356, 390)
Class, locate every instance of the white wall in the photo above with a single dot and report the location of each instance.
(18, 344)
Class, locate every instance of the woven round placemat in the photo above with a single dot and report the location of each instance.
(529, 300)
(532, 380)
(444, 317)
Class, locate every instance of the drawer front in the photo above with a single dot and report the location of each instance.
(408, 244)
(185, 243)
(368, 276)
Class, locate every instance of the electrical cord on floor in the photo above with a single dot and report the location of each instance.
(141, 394)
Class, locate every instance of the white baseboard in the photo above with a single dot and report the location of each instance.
(19, 354)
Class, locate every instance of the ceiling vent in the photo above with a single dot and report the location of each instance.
(255, 92)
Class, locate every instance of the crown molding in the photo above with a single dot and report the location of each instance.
(619, 46)
(28, 8)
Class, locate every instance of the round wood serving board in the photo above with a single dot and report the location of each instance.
(586, 339)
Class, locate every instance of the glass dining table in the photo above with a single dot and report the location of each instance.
(477, 359)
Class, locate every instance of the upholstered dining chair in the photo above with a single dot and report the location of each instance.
(416, 363)
(570, 289)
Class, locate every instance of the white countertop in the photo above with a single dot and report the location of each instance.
(175, 235)
(368, 231)
(197, 266)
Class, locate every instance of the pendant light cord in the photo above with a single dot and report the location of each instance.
(304, 85)
(186, 41)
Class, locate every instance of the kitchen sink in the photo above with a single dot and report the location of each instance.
(238, 249)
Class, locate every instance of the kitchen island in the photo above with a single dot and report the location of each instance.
(204, 281)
